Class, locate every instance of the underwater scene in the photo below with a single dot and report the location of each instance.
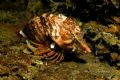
(59, 39)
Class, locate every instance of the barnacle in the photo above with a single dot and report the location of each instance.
(54, 34)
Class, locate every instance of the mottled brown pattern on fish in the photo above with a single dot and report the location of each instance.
(59, 29)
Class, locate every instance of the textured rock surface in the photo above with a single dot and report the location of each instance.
(102, 34)
(16, 65)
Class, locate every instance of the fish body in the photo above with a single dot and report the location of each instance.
(56, 29)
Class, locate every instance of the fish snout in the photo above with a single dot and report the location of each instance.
(85, 47)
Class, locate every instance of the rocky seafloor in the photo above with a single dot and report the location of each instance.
(16, 65)
(101, 27)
